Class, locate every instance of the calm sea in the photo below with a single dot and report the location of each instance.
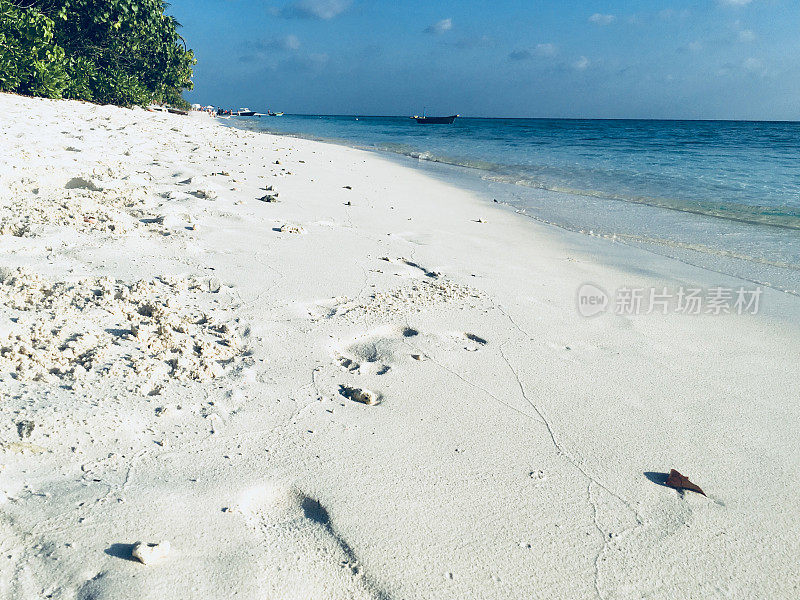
(719, 194)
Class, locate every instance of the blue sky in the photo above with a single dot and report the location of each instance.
(727, 59)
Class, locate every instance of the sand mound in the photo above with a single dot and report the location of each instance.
(415, 297)
(95, 327)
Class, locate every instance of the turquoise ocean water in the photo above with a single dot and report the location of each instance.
(719, 194)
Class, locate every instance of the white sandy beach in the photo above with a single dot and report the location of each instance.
(378, 386)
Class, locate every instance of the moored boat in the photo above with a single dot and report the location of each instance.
(435, 120)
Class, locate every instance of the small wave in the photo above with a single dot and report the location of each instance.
(756, 215)
(705, 249)
(469, 163)
(661, 246)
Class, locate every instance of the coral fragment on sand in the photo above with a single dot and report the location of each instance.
(149, 554)
(289, 228)
(358, 395)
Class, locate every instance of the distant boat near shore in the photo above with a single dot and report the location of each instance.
(246, 112)
(435, 120)
(167, 109)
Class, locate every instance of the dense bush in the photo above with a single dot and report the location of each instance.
(116, 51)
(30, 60)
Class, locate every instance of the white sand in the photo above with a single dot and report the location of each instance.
(387, 399)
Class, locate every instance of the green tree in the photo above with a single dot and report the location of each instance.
(117, 51)
(30, 60)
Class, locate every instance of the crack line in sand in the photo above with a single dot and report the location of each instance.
(549, 427)
(604, 538)
(365, 284)
(513, 322)
(41, 528)
(580, 469)
(560, 448)
(492, 396)
(251, 303)
(121, 487)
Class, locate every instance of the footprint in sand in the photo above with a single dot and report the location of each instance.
(427, 272)
(409, 263)
(475, 338)
(377, 351)
(352, 366)
(348, 364)
(374, 354)
(444, 341)
(302, 547)
(538, 476)
(380, 350)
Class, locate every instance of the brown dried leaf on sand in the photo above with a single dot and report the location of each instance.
(681, 482)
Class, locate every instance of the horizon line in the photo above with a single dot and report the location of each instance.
(700, 120)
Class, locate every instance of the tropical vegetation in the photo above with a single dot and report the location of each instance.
(125, 52)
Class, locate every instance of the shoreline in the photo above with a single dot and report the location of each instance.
(440, 172)
(497, 175)
(680, 233)
(377, 386)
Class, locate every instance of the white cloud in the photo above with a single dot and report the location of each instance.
(290, 42)
(753, 65)
(518, 55)
(318, 59)
(734, 2)
(668, 14)
(440, 27)
(695, 46)
(313, 9)
(581, 64)
(469, 43)
(746, 35)
(546, 49)
(599, 19)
